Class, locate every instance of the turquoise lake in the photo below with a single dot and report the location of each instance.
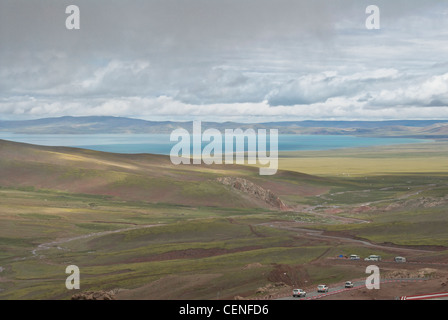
(161, 144)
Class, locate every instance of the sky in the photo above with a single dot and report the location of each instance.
(224, 60)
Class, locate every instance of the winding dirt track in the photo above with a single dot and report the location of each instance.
(334, 217)
(318, 234)
(57, 243)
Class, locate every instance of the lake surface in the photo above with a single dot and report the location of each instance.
(161, 144)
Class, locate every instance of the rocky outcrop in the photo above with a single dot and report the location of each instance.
(94, 295)
(412, 274)
(422, 202)
(252, 266)
(254, 191)
(271, 288)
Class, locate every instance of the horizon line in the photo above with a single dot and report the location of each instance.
(227, 121)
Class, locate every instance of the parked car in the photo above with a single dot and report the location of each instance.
(322, 288)
(298, 293)
(400, 259)
(373, 257)
(349, 284)
(354, 257)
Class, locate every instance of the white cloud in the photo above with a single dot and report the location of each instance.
(314, 88)
(163, 107)
(426, 93)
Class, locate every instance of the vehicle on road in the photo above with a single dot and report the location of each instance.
(400, 259)
(322, 288)
(354, 257)
(373, 257)
(349, 284)
(298, 293)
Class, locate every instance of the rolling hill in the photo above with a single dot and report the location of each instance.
(144, 177)
(97, 124)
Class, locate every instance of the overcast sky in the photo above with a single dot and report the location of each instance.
(224, 60)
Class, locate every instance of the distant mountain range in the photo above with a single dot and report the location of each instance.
(121, 125)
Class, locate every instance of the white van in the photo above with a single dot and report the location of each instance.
(400, 259)
(354, 257)
(373, 257)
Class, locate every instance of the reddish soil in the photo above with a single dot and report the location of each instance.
(361, 209)
(290, 275)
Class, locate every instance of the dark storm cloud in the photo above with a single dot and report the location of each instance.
(223, 58)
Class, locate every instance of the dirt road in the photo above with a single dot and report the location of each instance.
(57, 243)
(319, 234)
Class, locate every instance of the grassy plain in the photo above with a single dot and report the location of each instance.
(422, 158)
